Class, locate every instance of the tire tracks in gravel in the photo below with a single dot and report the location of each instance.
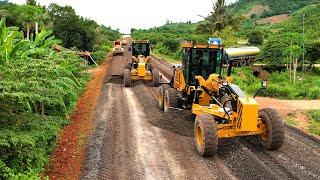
(134, 139)
(245, 157)
(298, 159)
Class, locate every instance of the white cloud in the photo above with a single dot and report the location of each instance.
(127, 14)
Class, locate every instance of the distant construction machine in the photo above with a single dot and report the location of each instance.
(140, 67)
(117, 49)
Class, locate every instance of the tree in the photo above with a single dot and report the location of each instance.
(221, 16)
(204, 28)
(255, 37)
(31, 2)
(70, 28)
(28, 16)
(313, 52)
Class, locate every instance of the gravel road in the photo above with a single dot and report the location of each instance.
(134, 139)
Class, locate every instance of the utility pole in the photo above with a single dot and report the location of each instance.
(303, 20)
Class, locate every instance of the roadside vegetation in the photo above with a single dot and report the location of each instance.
(314, 126)
(75, 32)
(40, 84)
(309, 121)
(279, 84)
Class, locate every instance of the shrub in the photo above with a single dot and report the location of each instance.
(314, 125)
(255, 37)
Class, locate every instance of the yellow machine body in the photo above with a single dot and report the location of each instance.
(141, 71)
(245, 122)
(241, 123)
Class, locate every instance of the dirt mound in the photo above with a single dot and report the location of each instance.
(257, 10)
(273, 19)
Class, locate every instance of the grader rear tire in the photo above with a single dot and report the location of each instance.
(162, 89)
(155, 78)
(273, 139)
(127, 78)
(127, 66)
(171, 99)
(206, 135)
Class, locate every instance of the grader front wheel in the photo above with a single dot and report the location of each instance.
(155, 78)
(206, 135)
(170, 99)
(127, 78)
(273, 137)
(162, 89)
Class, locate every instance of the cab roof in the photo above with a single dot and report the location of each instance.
(191, 44)
(140, 41)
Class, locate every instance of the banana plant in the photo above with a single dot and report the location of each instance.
(10, 42)
(42, 44)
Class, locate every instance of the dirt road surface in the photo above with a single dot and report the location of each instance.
(133, 139)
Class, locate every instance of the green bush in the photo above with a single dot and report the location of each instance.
(26, 141)
(38, 89)
(99, 56)
(279, 85)
(314, 125)
(255, 37)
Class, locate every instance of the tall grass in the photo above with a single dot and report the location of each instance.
(279, 84)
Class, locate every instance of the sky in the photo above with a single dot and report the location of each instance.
(139, 14)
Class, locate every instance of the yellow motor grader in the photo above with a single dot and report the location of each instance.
(140, 67)
(221, 109)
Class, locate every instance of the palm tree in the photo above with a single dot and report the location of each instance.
(221, 16)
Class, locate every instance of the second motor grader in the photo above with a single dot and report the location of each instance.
(140, 67)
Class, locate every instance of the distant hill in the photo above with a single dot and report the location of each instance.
(294, 23)
(267, 8)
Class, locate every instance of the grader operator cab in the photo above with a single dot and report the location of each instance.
(221, 108)
(140, 67)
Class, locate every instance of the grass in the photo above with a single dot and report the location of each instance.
(291, 121)
(166, 58)
(279, 86)
(314, 125)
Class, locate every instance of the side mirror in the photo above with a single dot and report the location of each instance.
(225, 56)
(262, 88)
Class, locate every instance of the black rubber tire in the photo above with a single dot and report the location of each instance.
(126, 78)
(162, 89)
(127, 66)
(275, 134)
(250, 62)
(155, 77)
(150, 67)
(242, 63)
(171, 99)
(207, 144)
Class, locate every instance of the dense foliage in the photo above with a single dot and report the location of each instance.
(38, 89)
(74, 31)
(314, 124)
(276, 7)
(290, 33)
(278, 86)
